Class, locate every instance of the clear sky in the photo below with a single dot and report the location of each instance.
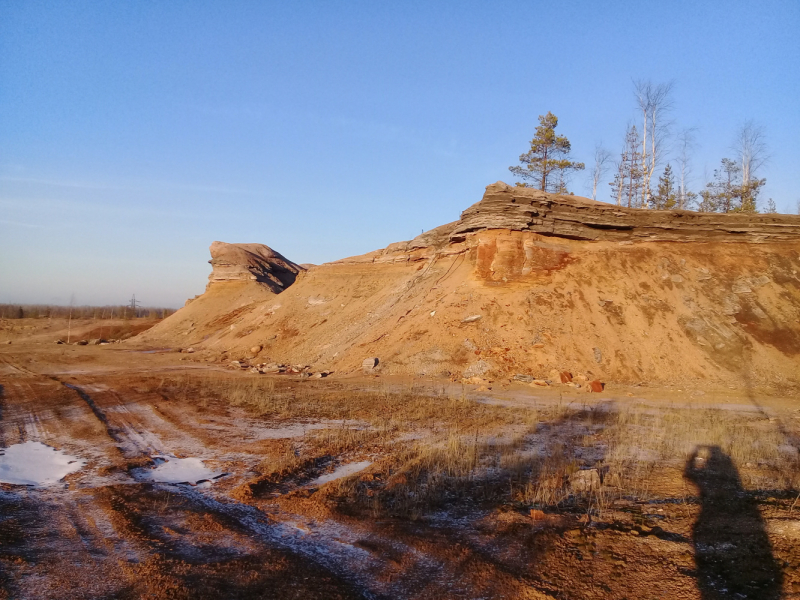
(133, 134)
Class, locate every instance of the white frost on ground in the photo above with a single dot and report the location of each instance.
(342, 471)
(179, 470)
(34, 463)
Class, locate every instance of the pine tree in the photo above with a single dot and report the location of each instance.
(547, 163)
(728, 192)
(665, 197)
(632, 174)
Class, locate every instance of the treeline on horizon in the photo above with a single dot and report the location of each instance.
(51, 311)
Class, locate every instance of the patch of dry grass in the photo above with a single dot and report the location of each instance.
(437, 449)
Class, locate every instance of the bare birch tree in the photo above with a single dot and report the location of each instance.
(686, 146)
(750, 146)
(655, 102)
(602, 162)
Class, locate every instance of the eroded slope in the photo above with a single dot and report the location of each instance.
(527, 282)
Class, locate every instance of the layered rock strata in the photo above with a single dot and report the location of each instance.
(525, 209)
(251, 262)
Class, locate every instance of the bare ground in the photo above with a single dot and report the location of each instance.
(505, 493)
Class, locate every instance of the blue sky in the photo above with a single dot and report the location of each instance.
(133, 134)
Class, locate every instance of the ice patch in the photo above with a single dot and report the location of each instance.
(342, 471)
(34, 463)
(179, 470)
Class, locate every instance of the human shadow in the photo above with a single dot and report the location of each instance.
(732, 550)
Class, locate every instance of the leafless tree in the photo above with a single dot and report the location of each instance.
(750, 145)
(686, 145)
(655, 102)
(602, 162)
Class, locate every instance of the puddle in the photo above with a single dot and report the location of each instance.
(179, 470)
(300, 429)
(342, 471)
(34, 463)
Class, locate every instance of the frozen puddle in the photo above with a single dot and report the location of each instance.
(179, 470)
(342, 471)
(34, 463)
(295, 430)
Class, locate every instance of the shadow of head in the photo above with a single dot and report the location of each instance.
(732, 550)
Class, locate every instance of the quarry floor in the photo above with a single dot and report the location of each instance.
(376, 487)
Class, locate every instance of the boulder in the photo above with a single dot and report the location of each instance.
(587, 480)
(368, 365)
(255, 349)
(596, 386)
(477, 369)
(565, 377)
(523, 378)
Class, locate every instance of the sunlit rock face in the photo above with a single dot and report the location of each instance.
(251, 262)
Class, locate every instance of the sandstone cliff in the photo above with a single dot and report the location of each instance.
(527, 282)
(251, 262)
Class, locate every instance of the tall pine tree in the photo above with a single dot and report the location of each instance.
(547, 164)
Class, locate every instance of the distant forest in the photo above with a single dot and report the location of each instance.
(47, 311)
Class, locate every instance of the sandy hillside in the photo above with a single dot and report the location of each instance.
(524, 283)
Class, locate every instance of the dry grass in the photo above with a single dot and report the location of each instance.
(436, 449)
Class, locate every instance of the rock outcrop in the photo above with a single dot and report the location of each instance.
(573, 217)
(523, 285)
(251, 262)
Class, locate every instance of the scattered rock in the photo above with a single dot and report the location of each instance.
(676, 279)
(78, 343)
(368, 365)
(596, 386)
(565, 377)
(523, 378)
(59, 341)
(741, 287)
(539, 383)
(255, 349)
(190, 351)
(587, 480)
(472, 319)
(538, 345)
(478, 368)
(761, 280)
(598, 355)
